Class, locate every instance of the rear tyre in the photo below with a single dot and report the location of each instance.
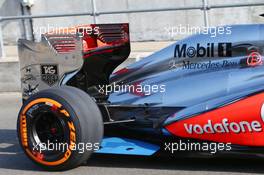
(59, 128)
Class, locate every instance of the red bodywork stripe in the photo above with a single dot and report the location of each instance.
(245, 114)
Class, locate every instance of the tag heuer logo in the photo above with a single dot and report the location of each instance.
(49, 74)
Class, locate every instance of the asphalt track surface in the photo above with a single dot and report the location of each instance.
(13, 160)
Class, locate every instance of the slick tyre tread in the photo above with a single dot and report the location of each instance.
(84, 113)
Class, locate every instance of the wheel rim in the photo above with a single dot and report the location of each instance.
(46, 122)
(48, 128)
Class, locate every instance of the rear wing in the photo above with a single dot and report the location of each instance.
(95, 50)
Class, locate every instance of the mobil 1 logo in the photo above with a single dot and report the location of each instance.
(49, 74)
(199, 50)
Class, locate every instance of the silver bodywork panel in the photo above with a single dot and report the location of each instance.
(189, 87)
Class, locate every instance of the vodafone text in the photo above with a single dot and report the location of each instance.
(224, 127)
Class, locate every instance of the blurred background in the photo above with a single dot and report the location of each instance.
(144, 26)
